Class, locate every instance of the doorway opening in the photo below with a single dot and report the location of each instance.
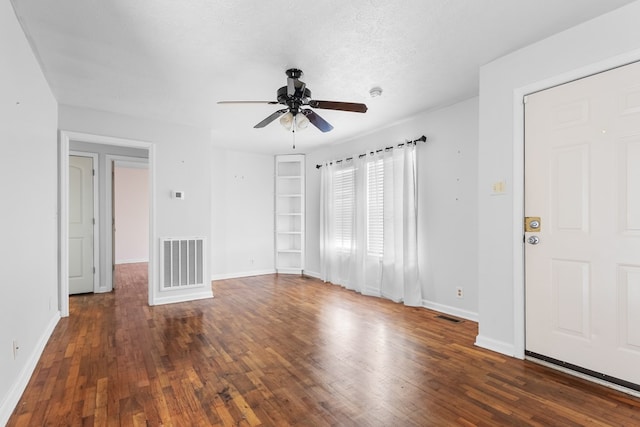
(581, 156)
(130, 212)
(144, 152)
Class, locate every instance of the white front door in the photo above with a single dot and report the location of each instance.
(582, 178)
(81, 224)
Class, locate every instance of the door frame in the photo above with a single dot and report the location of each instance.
(110, 160)
(65, 137)
(96, 215)
(519, 95)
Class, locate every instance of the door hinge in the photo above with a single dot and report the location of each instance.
(93, 172)
(94, 221)
(94, 270)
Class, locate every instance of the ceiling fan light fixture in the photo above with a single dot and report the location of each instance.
(301, 121)
(287, 120)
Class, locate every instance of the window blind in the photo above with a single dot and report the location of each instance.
(375, 208)
(344, 200)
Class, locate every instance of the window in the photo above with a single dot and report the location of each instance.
(344, 200)
(375, 208)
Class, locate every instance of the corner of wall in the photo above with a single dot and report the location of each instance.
(502, 347)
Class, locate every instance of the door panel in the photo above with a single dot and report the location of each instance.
(630, 185)
(571, 298)
(81, 274)
(629, 287)
(582, 177)
(570, 193)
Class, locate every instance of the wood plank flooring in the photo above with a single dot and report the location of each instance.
(285, 350)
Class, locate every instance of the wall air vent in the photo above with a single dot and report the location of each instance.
(182, 261)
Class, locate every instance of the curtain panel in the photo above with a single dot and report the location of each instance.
(350, 228)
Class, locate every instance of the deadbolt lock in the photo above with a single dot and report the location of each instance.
(532, 224)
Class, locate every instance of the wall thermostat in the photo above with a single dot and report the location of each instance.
(178, 194)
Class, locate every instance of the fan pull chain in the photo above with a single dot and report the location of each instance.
(293, 130)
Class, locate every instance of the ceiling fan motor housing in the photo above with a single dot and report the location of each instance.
(295, 101)
(294, 73)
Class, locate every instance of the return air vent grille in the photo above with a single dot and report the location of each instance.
(182, 262)
(449, 319)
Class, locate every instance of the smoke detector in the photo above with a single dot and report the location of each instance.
(375, 92)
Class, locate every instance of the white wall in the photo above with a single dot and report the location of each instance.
(242, 221)
(182, 162)
(447, 201)
(28, 214)
(131, 206)
(609, 40)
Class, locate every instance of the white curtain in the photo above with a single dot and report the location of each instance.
(348, 261)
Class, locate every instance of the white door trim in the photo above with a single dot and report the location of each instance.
(130, 162)
(63, 191)
(96, 216)
(519, 95)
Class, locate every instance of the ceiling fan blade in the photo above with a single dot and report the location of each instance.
(317, 121)
(271, 118)
(342, 106)
(247, 102)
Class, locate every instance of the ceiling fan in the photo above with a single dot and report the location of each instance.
(295, 96)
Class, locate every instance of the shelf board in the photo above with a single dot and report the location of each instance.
(289, 214)
(290, 195)
(290, 232)
(290, 251)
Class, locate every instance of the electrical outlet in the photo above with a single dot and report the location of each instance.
(16, 347)
(459, 292)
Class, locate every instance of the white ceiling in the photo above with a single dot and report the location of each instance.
(173, 60)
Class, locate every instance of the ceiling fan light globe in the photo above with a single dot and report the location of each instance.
(287, 120)
(301, 121)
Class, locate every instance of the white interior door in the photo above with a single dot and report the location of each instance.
(582, 178)
(81, 225)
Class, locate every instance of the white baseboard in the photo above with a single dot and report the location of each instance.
(242, 274)
(294, 271)
(505, 348)
(132, 261)
(313, 274)
(453, 311)
(193, 296)
(13, 397)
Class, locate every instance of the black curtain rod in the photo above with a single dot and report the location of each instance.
(421, 139)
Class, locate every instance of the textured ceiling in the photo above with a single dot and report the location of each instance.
(173, 60)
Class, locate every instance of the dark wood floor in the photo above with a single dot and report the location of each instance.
(286, 350)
